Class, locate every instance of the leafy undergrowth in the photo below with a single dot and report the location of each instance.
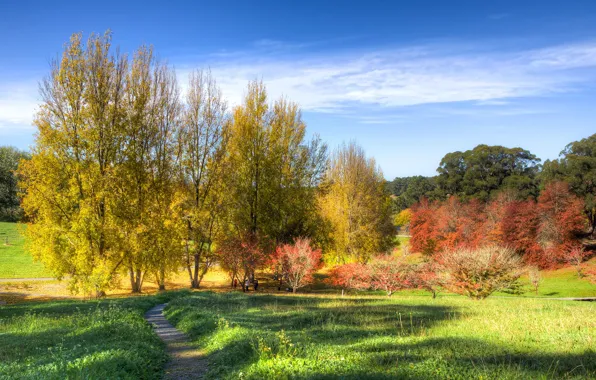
(267, 336)
(104, 339)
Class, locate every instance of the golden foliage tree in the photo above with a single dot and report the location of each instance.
(356, 206)
(274, 170)
(202, 148)
(69, 182)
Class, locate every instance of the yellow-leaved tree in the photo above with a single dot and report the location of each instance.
(99, 189)
(69, 182)
(202, 148)
(356, 207)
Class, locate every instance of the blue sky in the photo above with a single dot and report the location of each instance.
(410, 81)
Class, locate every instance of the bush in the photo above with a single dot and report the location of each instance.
(390, 275)
(477, 273)
(349, 276)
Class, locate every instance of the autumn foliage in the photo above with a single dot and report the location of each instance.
(297, 262)
(477, 273)
(389, 274)
(543, 231)
(349, 276)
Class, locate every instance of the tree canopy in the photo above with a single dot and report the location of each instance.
(10, 209)
(577, 167)
(485, 170)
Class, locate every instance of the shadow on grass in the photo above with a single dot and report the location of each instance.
(474, 355)
(380, 338)
(81, 339)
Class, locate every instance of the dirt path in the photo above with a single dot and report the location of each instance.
(186, 361)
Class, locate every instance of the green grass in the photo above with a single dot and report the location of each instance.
(15, 262)
(565, 283)
(267, 336)
(106, 339)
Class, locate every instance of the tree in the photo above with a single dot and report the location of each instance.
(69, 182)
(10, 209)
(202, 148)
(575, 257)
(519, 229)
(561, 221)
(349, 276)
(408, 191)
(477, 273)
(447, 225)
(403, 219)
(427, 276)
(486, 170)
(274, 172)
(535, 278)
(241, 257)
(144, 175)
(298, 262)
(577, 167)
(356, 206)
(423, 228)
(390, 275)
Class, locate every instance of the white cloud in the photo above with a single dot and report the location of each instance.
(348, 81)
(406, 77)
(18, 102)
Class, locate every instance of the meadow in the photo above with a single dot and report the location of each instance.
(15, 262)
(105, 339)
(289, 336)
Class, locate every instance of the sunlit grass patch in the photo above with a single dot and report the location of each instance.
(266, 336)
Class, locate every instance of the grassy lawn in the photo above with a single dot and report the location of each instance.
(14, 261)
(106, 339)
(287, 336)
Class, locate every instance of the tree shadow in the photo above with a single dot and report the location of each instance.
(386, 339)
(252, 321)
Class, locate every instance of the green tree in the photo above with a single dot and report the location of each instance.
(487, 170)
(408, 191)
(10, 209)
(577, 167)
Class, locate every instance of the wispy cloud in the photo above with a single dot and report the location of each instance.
(18, 102)
(414, 76)
(341, 81)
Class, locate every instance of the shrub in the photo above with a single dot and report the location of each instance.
(389, 274)
(535, 278)
(298, 262)
(426, 276)
(477, 273)
(350, 276)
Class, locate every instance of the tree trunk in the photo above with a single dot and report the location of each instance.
(162, 279)
(195, 278)
(135, 280)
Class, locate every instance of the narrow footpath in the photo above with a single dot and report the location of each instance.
(186, 361)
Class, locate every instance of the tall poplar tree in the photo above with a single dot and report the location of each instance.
(356, 206)
(274, 171)
(68, 184)
(202, 146)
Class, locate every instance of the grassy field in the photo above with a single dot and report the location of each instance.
(106, 339)
(267, 336)
(14, 261)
